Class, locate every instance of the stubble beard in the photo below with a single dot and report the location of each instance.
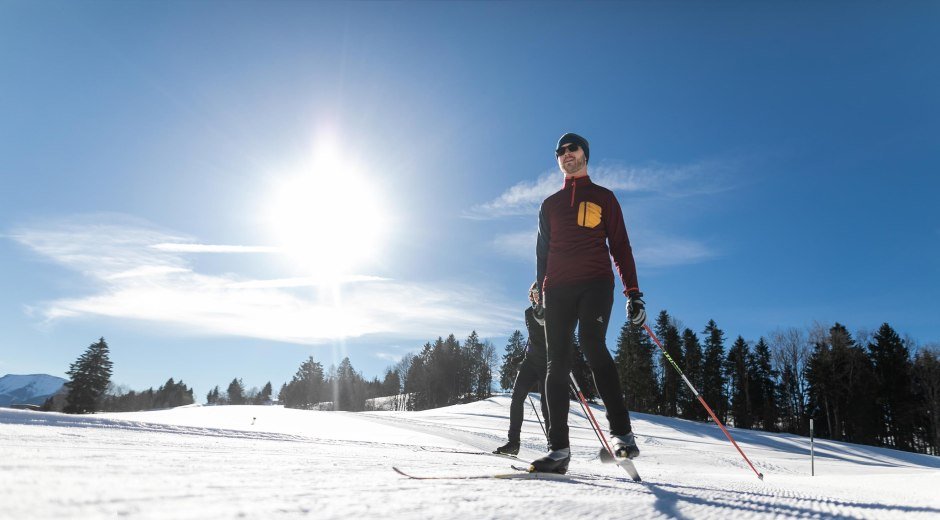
(573, 167)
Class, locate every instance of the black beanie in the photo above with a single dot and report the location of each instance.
(572, 138)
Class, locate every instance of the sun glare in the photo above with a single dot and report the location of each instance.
(329, 219)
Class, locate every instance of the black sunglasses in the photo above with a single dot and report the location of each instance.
(565, 148)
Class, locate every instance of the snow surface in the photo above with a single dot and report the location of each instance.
(271, 462)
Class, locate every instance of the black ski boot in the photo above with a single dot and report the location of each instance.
(624, 446)
(555, 462)
(510, 448)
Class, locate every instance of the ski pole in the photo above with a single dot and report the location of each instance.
(701, 400)
(537, 417)
(596, 427)
(585, 412)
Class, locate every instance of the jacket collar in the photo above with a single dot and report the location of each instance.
(577, 181)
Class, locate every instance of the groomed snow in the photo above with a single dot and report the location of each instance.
(270, 462)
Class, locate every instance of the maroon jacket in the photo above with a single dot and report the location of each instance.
(575, 226)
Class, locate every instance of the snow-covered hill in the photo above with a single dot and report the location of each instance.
(271, 462)
(28, 389)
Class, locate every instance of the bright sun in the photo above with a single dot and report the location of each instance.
(329, 220)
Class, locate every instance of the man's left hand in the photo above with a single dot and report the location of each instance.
(636, 308)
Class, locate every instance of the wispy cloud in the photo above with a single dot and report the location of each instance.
(663, 251)
(209, 248)
(519, 245)
(525, 197)
(388, 356)
(651, 248)
(654, 250)
(132, 279)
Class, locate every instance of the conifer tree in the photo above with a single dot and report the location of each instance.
(692, 354)
(418, 381)
(391, 385)
(668, 333)
(926, 385)
(843, 389)
(512, 358)
(214, 396)
(265, 394)
(306, 388)
(236, 392)
(634, 360)
(90, 376)
(764, 391)
(713, 378)
(893, 369)
(349, 387)
(739, 384)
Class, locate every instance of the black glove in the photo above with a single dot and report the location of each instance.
(636, 308)
(538, 312)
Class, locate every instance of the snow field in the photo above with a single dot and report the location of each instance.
(271, 462)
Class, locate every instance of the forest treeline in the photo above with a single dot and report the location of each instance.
(869, 388)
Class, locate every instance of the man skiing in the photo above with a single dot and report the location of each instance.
(531, 374)
(576, 225)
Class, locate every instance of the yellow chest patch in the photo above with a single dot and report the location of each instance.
(589, 214)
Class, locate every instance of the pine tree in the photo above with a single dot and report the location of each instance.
(265, 395)
(634, 360)
(842, 389)
(349, 387)
(668, 333)
(765, 394)
(926, 385)
(514, 354)
(739, 384)
(391, 385)
(478, 368)
(90, 376)
(236, 392)
(893, 367)
(306, 388)
(713, 378)
(418, 381)
(214, 396)
(692, 353)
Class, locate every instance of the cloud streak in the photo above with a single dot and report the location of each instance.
(208, 248)
(524, 198)
(132, 279)
(651, 249)
(654, 251)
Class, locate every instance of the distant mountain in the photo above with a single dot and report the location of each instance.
(28, 389)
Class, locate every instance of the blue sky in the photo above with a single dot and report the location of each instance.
(221, 189)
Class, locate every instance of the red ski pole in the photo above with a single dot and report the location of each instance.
(701, 400)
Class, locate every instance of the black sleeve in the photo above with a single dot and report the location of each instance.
(541, 247)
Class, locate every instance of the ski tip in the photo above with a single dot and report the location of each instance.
(531, 469)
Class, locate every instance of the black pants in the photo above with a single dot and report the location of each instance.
(530, 376)
(588, 306)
